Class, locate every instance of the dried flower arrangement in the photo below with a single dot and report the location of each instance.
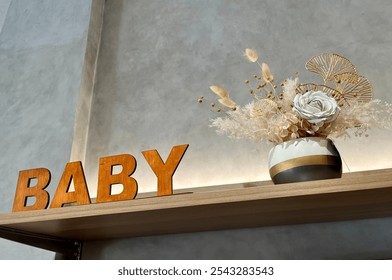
(343, 101)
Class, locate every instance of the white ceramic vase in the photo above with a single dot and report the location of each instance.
(304, 159)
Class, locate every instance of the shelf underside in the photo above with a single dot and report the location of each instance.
(355, 196)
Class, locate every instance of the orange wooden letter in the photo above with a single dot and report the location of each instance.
(165, 171)
(24, 190)
(106, 179)
(73, 171)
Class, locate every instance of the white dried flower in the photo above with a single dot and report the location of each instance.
(284, 133)
(294, 135)
(220, 91)
(294, 128)
(316, 107)
(251, 55)
(291, 117)
(263, 108)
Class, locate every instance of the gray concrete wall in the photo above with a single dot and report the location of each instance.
(158, 57)
(42, 47)
(365, 239)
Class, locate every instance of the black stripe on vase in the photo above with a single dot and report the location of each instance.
(309, 173)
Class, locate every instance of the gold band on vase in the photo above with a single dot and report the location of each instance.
(302, 161)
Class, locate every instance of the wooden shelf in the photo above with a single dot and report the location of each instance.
(357, 195)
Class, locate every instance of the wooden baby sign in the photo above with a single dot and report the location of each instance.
(74, 173)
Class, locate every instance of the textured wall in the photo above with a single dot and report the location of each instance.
(365, 239)
(4, 5)
(158, 57)
(42, 46)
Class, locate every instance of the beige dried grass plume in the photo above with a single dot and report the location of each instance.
(220, 91)
(251, 55)
(227, 102)
(266, 73)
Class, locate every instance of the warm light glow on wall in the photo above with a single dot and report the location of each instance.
(358, 154)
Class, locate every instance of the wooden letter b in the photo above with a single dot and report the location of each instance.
(24, 190)
(106, 179)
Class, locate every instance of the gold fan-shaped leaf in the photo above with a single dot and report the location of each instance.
(355, 88)
(309, 87)
(343, 79)
(301, 89)
(348, 77)
(328, 65)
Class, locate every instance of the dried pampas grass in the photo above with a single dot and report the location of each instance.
(270, 116)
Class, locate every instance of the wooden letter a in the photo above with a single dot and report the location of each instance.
(73, 171)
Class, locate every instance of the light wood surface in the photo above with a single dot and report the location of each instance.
(355, 196)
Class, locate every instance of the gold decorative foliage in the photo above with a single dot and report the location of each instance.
(353, 86)
(328, 65)
(347, 77)
(303, 88)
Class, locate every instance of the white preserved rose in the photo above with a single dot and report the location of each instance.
(316, 107)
